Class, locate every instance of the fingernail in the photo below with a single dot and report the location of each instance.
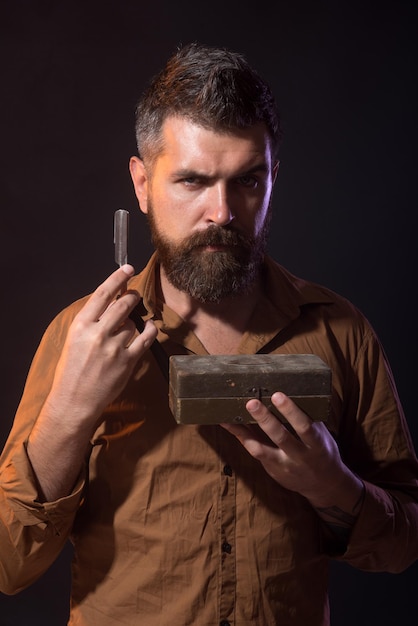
(253, 405)
(278, 397)
(128, 269)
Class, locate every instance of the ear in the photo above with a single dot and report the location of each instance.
(275, 170)
(140, 180)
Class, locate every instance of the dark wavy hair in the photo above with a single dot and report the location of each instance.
(214, 88)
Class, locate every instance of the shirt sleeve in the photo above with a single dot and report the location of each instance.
(375, 443)
(32, 533)
(384, 537)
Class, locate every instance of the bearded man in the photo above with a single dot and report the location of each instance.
(222, 524)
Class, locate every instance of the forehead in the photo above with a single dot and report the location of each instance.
(188, 145)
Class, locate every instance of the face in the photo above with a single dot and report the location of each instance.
(207, 197)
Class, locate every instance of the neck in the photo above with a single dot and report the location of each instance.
(219, 326)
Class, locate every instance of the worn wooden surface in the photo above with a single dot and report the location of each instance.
(214, 389)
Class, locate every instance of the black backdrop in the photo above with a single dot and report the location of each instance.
(345, 202)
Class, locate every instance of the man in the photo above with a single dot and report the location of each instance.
(194, 524)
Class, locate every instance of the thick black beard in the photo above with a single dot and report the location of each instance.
(209, 276)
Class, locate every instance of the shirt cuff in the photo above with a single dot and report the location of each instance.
(20, 488)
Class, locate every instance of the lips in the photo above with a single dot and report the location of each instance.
(216, 239)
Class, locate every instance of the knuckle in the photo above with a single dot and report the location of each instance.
(103, 292)
(79, 326)
(255, 449)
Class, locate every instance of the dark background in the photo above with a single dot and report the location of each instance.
(344, 73)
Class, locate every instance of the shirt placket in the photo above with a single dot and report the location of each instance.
(227, 547)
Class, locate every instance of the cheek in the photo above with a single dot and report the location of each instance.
(170, 222)
(260, 219)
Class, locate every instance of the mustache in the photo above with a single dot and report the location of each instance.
(217, 236)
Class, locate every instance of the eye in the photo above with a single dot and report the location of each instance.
(191, 181)
(248, 180)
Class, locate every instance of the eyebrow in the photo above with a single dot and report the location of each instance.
(191, 173)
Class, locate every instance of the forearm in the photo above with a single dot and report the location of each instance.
(57, 447)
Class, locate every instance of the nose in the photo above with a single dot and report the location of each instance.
(220, 211)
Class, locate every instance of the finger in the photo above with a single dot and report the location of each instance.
(126, 332)
(297, 418)
(307, 430)
(240, 432)
(144, 339)
(106, 293)
(251, 440)
(269, 423)
(119, 310)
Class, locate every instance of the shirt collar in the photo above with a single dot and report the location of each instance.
(284, 297)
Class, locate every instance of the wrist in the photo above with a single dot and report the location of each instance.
(344, 493)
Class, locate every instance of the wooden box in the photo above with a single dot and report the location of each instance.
(214, 389)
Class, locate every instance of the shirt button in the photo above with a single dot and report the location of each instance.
(226, 547)
(228, 470)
